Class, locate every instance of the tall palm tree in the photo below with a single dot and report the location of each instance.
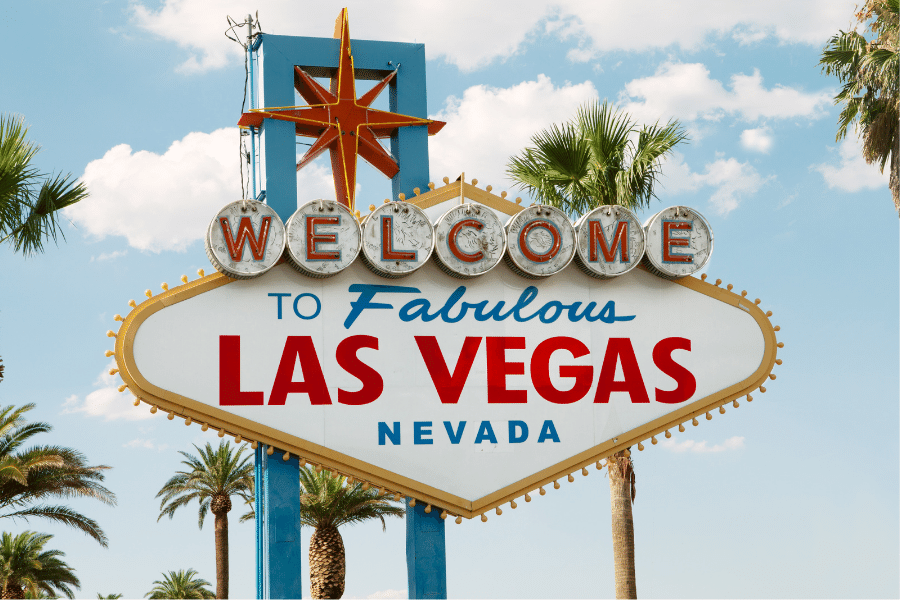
(27, 568)
(211, 478)
(326, 503)
(29, 476)
(621, 497)
(870, 73)
(600, 157)
(180, 584)
(29, 199)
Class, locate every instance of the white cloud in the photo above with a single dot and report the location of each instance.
(105, 256)
(757, 140)
(488, 125)
(673, 445)
(500, 30)
(145, 444)
(165, 201)
(687, 91)
(106, 401)
(852, 173)
(731, 181)
(389, 594)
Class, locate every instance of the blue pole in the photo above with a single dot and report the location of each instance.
(278, 540)
(426, 554)
(252, 94)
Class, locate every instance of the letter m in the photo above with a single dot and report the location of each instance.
(619, 243)
(245, 234)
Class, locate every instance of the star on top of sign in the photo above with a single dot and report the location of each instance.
(341, 122)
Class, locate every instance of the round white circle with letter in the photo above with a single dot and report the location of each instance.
(323, 238)
(679, 242)
(397, 239)
(469, 240)
(245, 239)
(610, 241)
(540, 241)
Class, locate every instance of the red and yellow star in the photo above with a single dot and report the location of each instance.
(342, 123)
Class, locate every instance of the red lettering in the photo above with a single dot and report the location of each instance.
(668, 242)
(387, 242)
(619, 242)
(454, 247)
(449, 387)
(540, 370)
(554, 246)
(230, 393)
(620, 350)
(498, 368)
(245, 234)
(313, 383)
(662, 357)
(372, 383)
(314, 238)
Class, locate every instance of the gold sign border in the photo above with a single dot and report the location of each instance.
(245, 429)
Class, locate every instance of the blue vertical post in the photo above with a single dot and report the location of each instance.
(426, 554)
(278, 524)
(425, 539)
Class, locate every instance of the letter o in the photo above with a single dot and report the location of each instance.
(540, 242)
(318, 306)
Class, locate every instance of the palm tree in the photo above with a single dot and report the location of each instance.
(600, 157)
(326, 503)
(109, 596)
(29, 199)
(27, 569)
(180, 584)
(29, 476)
(869, 72)
(211, 479)
(621, 497)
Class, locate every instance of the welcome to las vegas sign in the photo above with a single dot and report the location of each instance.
(457, 349)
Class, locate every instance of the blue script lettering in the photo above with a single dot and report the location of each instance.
(454, 309)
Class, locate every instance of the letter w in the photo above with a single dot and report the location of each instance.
(245, 234)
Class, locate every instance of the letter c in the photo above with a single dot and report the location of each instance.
(454, 247)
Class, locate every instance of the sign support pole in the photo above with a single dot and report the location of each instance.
(426, 553)
(278, 549)
(277, 56)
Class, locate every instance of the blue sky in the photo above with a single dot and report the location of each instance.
(794, 495)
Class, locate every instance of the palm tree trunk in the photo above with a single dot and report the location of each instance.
(894, 178)
(13, 589)
(222, 555)
(327, 563)
(621, 489)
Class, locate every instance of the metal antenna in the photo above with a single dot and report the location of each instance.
(249, 22)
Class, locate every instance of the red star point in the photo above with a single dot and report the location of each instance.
(342, 123)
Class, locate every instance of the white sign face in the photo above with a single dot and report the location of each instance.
(540, 241)
(462, 394)
(679, 242)
(610, 241)
(397, 239)
(245, 239)
(469, 240)
(323, 238)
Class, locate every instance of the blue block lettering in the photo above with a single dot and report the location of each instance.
(454, 437)
(420, 430)
(548, 432)
(485, 432)
(518, 432)
(391, 434)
